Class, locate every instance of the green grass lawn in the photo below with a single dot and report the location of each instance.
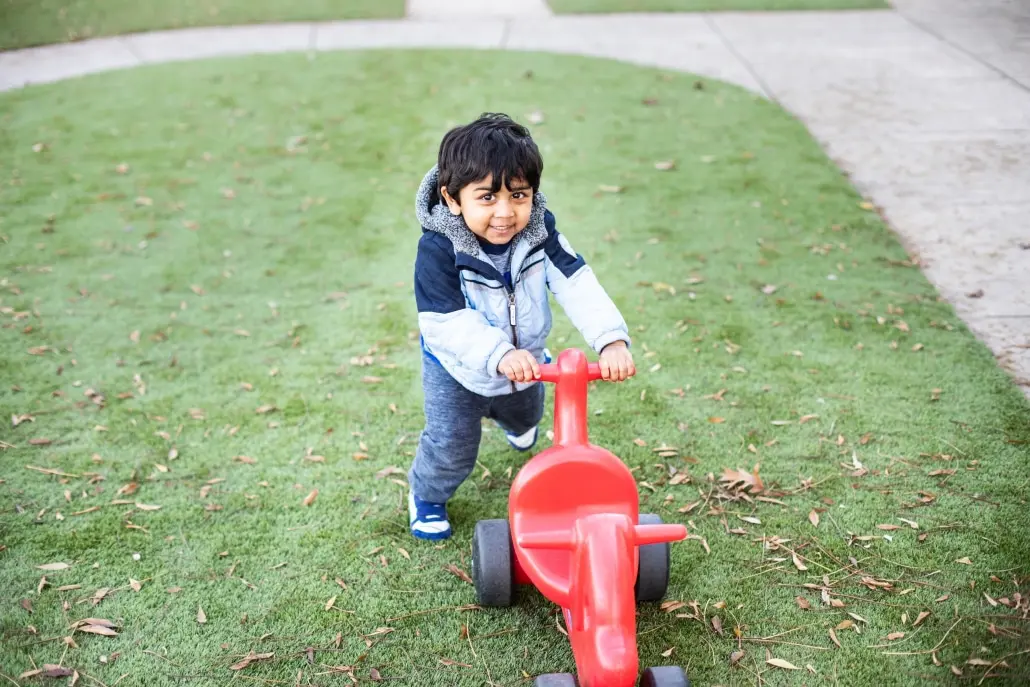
(25, 23)
(208, 316)
(601, 6)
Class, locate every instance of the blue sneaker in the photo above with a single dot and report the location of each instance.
(427, 520)
(522, 442)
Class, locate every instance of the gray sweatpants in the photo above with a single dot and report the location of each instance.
(449, 444)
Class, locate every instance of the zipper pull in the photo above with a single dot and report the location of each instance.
(511, 310)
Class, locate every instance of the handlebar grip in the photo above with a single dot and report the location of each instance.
(658, 534)
(549, 372)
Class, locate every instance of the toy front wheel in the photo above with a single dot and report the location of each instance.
(653, 572)
(493, 572)
(664, 676)
(555, 680)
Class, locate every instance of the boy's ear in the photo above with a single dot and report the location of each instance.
(452, 204)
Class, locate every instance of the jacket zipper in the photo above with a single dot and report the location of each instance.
(512, 310)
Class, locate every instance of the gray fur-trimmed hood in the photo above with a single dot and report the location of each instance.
(434, 215)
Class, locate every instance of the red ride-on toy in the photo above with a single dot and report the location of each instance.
(574, 532)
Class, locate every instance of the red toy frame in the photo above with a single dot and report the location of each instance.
(575, 533)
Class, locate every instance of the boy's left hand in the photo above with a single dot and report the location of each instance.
(616, 362)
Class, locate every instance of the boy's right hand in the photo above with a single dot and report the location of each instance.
(519, 366)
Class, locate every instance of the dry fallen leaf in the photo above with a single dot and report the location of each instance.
(895, 635)
(135, 584)
(249, 658)
(979, 662)
(53, 566)
(736, 656)
(964, 560)
(97, 630)
(201, 616)
(330, 602)
(455, 570)
(741, 479)
(813, 518)
(780, 663)
(833, 636)
(802, 603)
(921, 617)
(310, 498)
(797, 563)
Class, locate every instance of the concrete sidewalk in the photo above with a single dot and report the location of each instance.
(927, 108)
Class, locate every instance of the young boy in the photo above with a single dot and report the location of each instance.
(489, 252)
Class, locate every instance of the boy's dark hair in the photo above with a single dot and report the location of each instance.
(493, 145)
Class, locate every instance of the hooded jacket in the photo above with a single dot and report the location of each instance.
(468, 314)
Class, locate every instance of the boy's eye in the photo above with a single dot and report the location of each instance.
(488, 197)
(519, 195)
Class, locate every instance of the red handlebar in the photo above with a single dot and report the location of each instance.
(550, 372)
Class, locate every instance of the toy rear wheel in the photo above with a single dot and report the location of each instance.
(653, 573)
(664, 676)
(555, 680)
(493, 572)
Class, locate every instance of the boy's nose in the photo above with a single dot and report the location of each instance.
(503, 209)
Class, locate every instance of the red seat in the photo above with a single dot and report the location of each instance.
(557, 486)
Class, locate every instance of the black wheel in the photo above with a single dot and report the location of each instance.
(492, 571)
(653, 574)
(664, 676)
(555, 680)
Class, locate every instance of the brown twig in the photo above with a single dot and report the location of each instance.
(998, 662)
(432, 610)
(759, 640)
(803, 557)
(148, 651)
(260, 679)
(859, 598)
(907, 638)
(923, 653)
(99, 682)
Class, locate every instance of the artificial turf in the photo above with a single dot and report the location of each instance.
(207, 308)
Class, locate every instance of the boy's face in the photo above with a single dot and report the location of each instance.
(494, 217)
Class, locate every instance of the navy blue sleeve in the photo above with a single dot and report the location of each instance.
(559, 251)
(437, 284)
